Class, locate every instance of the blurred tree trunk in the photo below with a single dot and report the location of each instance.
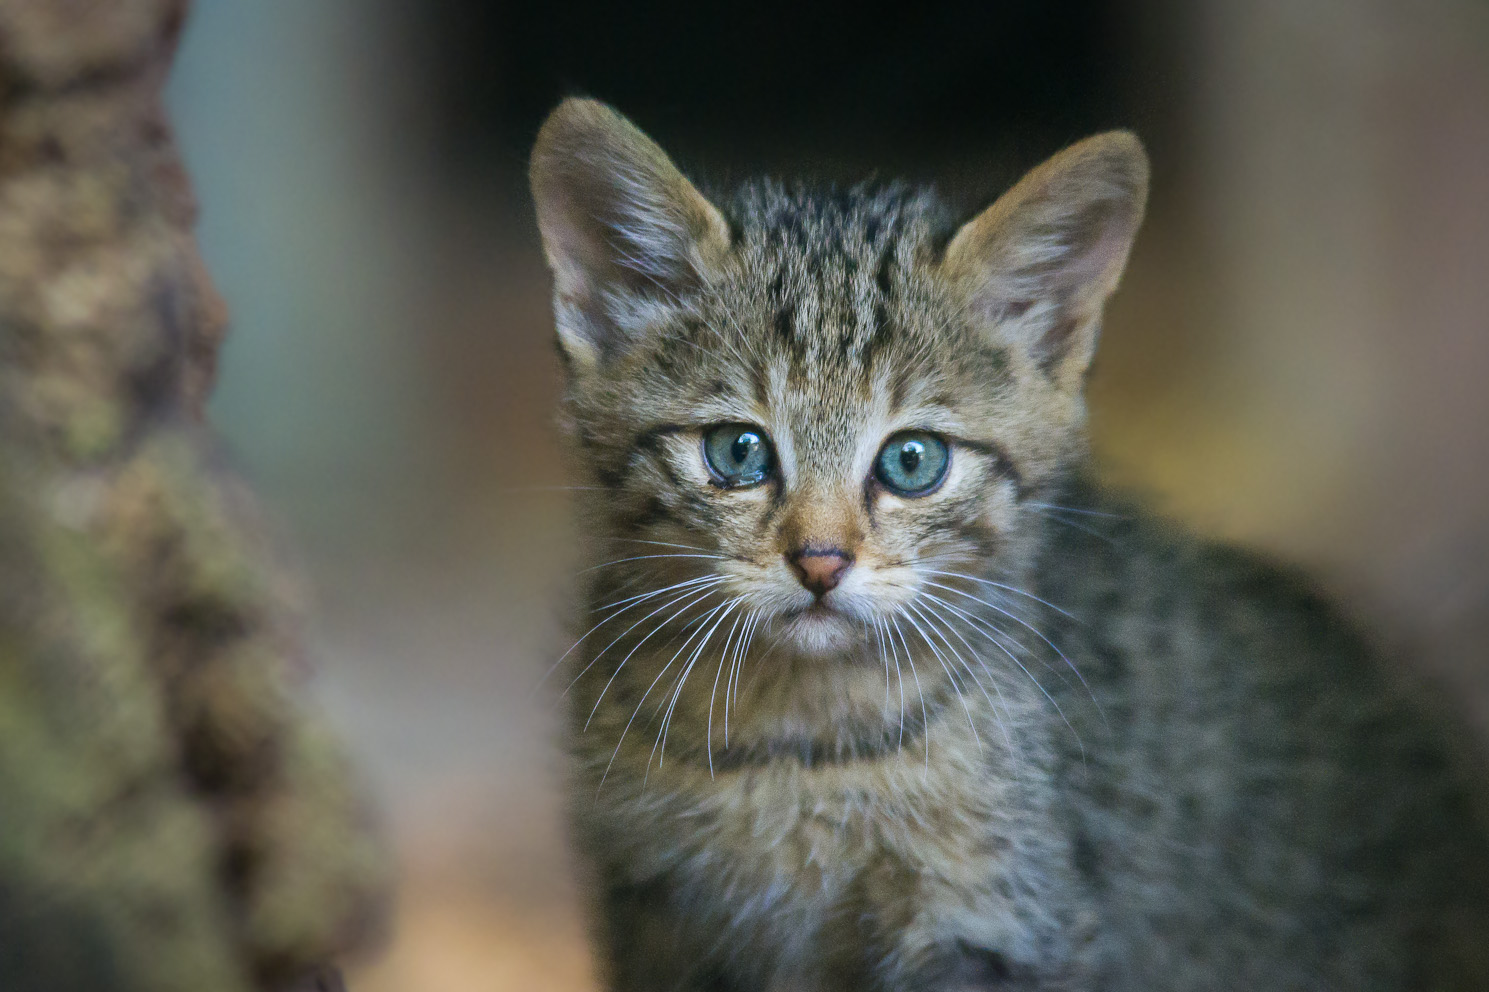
(170, 818)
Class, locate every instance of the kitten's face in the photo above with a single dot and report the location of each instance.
(811, 409)
(840, 380)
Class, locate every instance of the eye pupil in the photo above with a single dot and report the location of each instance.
(744, 446)
(910, 456)
(738, 455)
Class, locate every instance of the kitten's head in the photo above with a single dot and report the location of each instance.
(822, 405)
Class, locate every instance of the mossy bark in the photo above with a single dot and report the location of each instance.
(170, 816)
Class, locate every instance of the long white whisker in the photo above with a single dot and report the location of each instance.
(931, 624)
(659, 592)
(1037, 633)
(1077, 525)
(714, 692)
(682, 681)
(1012, 642)
(633, 601)
(879, 640)
(972, 622)
(680, 611)
(642, 702)
(705, 585)
(664, 544)
(899, 677)
(738, 670)
(746, 638)
(622, 561)
(759, 668)
(1072, 509)
(729, 678)
(977, 656)
(999, 585)
(946, 668)
(925, 720)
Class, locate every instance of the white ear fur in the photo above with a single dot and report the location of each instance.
(1037, 266)
(620, 226)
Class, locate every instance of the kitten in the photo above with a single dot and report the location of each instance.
(864, 707)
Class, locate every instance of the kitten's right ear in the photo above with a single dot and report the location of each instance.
(620, 225)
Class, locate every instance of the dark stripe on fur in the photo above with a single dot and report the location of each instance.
(871, 744)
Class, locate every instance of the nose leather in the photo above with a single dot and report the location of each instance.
(820, 569)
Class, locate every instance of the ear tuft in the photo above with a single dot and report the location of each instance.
(1037, 266)
(620, 224)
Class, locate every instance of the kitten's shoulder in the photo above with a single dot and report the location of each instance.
(1157, 611)
(1105, 553)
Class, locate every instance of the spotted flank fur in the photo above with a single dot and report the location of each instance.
(876, 691)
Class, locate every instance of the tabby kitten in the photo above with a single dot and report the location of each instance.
(860, 710)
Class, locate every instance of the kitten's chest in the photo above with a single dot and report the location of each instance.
(820, 869)
(777, 836)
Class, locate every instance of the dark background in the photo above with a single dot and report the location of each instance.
(1296, 360)
(760, 84)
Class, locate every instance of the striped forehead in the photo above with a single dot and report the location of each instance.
(824, 274)
(820, 331)
(819, 421)
(827, 271)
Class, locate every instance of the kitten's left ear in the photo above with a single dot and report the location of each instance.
(1039, 263)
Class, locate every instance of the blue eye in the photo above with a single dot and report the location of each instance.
(738, 455)
(912, 463)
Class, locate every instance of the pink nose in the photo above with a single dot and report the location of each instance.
(818, 568)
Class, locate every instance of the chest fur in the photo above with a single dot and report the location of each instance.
(788, 870)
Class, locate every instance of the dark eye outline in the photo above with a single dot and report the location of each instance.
(930, 487)
(725, 481)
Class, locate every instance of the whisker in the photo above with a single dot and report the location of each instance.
(879, 640)
(947, 669)
(1012, 657)
(998, 585)
(977, 656)
(1013, 642)
(746, 638)
(642, 702)
(917, 608)
(729, 677)
(737, 669)
(714, 692)
(1076, 525)
(931, 625)
(899, 677)
(614, 675)
(663, 544)
(682, 681)
(925, 720)
(622, 561)
(758, 669)
(634, 601)
(665, 589)
(1073, 509)
(1037, 633)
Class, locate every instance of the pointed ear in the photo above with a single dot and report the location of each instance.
(621, 227)
(1039, 263)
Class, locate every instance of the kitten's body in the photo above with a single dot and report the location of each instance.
(1018, 746)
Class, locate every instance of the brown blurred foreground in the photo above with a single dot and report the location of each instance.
(170, 819)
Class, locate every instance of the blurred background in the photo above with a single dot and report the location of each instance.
(1297, 361)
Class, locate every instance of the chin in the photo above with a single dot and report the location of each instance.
(819, 631)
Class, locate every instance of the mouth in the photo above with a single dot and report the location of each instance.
(817, 628)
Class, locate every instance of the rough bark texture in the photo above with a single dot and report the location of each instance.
(169, 816)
